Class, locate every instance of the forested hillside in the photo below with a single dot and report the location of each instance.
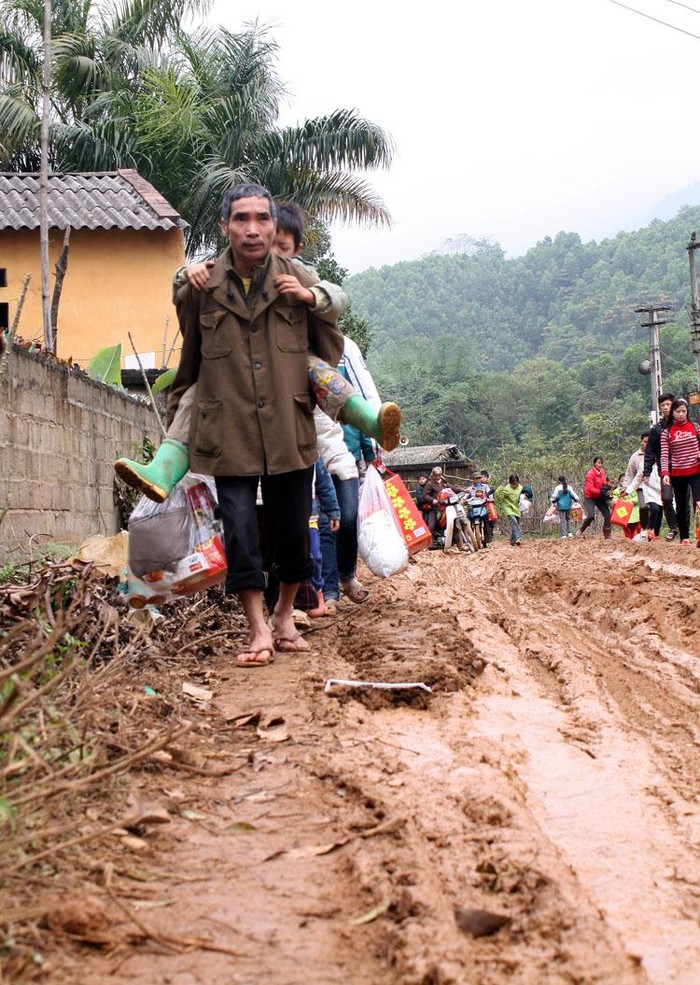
(531, 361)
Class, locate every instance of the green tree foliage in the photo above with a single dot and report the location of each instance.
(194, 112)
(532, 362)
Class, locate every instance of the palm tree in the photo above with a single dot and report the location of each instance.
(193, 113)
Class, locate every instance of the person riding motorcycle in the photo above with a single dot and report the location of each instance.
(435, 484)
(478, 494)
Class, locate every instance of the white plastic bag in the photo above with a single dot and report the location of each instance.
(525, 505)
(381, 544)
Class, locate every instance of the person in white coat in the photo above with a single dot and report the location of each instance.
(652, 500)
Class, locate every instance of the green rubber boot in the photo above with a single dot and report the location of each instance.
(382, 425)
(157, 479)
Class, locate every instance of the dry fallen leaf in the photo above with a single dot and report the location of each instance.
(241, 720)
(310, 851)
(372, 914)
(194, 816)
(197, 693)
(279, 733)
(144, 814)
(151, 904)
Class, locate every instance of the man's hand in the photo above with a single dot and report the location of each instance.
(198, 274)
(288, 284)
(334, 525)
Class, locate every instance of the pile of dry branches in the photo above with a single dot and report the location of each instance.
(66, 655)
(87, 695)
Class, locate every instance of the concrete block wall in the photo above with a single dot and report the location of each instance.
(59, 436)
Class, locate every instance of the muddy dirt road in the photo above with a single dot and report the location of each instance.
(551, 779)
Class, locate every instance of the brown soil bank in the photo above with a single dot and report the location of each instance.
(534, 819)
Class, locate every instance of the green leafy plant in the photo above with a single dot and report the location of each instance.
(163, 381)
(106, 364)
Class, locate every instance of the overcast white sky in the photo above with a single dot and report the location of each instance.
(512, 119)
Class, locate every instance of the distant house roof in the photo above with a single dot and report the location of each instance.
(423, 455)
(92, 200)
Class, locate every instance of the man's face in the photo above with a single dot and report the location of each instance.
(250, 230)
(643, 444)
(284, 244)
(665, 407)
(423, 479)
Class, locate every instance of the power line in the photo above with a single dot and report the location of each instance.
(684, 5)
(656, 19)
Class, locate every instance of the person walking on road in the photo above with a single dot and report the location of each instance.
(680, 463)
(564, 497)
(652, 457)
(595, 493)
(508, 502)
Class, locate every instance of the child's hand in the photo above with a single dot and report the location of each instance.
(198, 274)
(288, 284)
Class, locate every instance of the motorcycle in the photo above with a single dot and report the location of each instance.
(478, 515)
(453, 522)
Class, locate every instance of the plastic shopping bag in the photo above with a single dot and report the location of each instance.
(176, 548)
(381, 544)
(552, 515)
(525, 505)
(621, 512)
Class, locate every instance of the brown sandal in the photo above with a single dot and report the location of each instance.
(288, 644)
(354, 591)
(254, 655)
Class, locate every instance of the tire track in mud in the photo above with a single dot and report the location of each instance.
(551, 778)
(555, 775)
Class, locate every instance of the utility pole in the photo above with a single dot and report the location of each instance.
(694, 312)
(653, 325)
(44, 182)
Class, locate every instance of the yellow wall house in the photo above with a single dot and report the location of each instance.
(125, 244)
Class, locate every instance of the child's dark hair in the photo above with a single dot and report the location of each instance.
(514, 477)
(564, 483)
(290, 219)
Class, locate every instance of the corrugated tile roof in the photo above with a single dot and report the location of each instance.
(425, 455)
(96, 200)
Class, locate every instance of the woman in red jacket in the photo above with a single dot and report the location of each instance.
(680, 463)
(595, 494)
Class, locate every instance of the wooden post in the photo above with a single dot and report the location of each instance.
(15, 323)
(61, 267)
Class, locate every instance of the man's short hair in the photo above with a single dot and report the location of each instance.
(666, 396)
(644, 434)
(290, 219)
(246, 191)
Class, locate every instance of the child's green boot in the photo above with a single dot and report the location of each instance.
(382, 425)
(157, 479)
